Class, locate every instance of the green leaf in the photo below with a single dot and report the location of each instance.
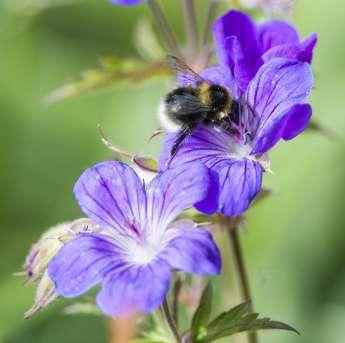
(238, 320)
(227, 318)
(249, 323)
(112, 71)
(203, 312)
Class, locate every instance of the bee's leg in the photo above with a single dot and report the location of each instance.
(184, 133)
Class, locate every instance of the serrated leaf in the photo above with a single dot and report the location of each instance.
(249, 322)
(111, 71)
(253, 325)
(203, 312)
(228, 317)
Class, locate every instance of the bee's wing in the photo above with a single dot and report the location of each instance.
(190, 104)
(183, 71)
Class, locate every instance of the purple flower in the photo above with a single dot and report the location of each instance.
(266, 69)
(141, 242)
(127, 2)
(243, 46)
(274, 107)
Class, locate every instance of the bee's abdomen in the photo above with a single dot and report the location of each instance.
(215, 96)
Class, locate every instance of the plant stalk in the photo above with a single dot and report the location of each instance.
(170, 320)
(191, 26)
(165, 29)
(211, 13)
(243, 276)
(176, 292)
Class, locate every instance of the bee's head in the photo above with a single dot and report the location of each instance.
(221, 98)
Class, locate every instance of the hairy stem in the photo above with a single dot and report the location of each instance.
(191, 25)
(241, 269)
(165, 29)
(170, 320)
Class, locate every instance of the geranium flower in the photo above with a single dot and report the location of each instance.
(273, 107)
(266, 69)
(243, 46)
(141, 242)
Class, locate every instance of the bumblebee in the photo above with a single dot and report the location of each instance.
(197, 102)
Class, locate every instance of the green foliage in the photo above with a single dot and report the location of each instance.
(237, 319)
(203, 312)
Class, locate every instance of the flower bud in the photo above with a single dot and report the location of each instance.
(43, 251)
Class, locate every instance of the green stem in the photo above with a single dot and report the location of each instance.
(191, 25)
(170, 320)
(211, 13)
(176, 290)
(241, 269)
(165, 29)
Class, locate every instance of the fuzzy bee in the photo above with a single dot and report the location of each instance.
(198, 102)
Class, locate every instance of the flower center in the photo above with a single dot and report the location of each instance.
(143, 254)
(239, 151)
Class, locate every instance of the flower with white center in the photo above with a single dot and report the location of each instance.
(143, 243)
(267, 70)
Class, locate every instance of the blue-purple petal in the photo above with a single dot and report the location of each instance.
(112, 195)
(177, 189)
(82, 263)
(279, 85)
(192, 250)
(239, 179)
(290, 51)
(298, 120)
(239, 182)
(236, 43)
(308, 45)
(300, 51)
(276, 32)
(137, 288)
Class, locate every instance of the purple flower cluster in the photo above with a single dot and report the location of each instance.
(267, 69)
(141, 242)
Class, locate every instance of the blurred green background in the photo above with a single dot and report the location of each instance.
(294, 241)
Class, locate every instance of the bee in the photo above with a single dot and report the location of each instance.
(197, 102)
